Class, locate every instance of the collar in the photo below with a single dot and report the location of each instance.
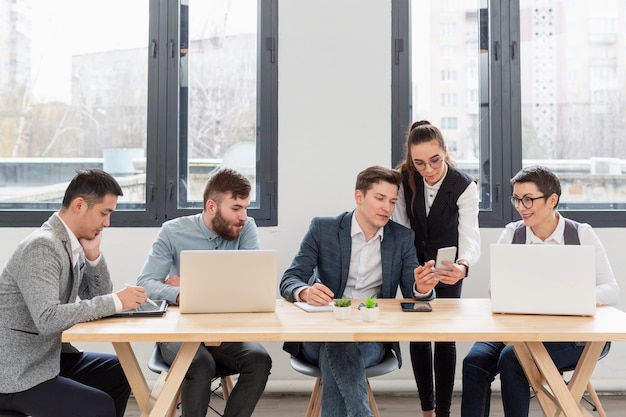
(557, 237)
(74, 243)
(437, 185)
(207, 232)
(355, 229)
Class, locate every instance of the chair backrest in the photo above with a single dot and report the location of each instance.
(387, 365)
(10, 413)
(605, 351)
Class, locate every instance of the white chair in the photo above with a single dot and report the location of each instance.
(388, 364)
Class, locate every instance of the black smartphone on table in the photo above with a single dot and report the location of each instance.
(417, 307)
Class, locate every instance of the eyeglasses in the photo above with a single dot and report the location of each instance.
(435, 163)
(527, 202)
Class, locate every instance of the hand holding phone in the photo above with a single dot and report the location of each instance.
(445, 254)
(419, 307)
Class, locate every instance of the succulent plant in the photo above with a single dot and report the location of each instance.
(343, 302)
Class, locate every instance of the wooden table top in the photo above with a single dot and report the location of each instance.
(465, 319)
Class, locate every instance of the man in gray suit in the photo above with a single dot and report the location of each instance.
(39, 287)
(355, 255)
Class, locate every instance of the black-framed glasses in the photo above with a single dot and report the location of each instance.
(527, 202)
(435, 163)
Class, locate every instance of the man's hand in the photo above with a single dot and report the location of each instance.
(173, 280)
(132, 297)
(317, 295)
(425, 277)
(91, 247)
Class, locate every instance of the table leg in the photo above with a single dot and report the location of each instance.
(157, 403)
(554, 396)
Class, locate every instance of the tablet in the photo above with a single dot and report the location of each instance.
(145, 310)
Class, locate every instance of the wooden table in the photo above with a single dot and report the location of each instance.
(451, 320)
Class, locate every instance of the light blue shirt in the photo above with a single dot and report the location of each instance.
(186, 233)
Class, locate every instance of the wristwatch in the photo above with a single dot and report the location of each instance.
(464, 263)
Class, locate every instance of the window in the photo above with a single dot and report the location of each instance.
(159, 96)
(581, 139)
(450, 93)
(559, 88)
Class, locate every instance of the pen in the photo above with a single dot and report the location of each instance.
(147, 299)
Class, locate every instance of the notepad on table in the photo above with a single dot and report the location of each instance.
(313, 309)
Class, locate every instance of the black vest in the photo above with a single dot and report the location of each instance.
(570, 234)
(441, 227)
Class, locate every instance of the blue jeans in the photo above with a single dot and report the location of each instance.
(486, 359)
(344, 392)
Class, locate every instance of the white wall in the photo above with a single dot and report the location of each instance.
(334, 120)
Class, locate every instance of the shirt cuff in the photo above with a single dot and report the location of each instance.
(418, 294)
(118, 302)
(297, 291)
(95, 262)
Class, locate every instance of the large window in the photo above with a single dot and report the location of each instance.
(519, 83)
(157, 92)
(573, 91)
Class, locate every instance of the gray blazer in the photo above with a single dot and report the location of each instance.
(38, 300)
(325, 253)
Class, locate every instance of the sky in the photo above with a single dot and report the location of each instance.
(63, 28)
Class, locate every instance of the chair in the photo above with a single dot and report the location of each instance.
(9, 413)
(388, 364)
(595, 401)
(223, 376)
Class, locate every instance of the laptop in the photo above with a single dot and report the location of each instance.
(228, 281)
(543, 279)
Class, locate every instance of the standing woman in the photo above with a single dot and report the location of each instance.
(440, 203)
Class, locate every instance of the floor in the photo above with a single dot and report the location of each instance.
(275, 405)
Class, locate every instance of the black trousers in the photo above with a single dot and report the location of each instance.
(89, 385)
(444, 364)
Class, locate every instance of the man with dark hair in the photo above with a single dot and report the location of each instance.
(223, 224)
(39, 287)
(357, 254)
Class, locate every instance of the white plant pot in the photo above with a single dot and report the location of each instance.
(342, 313)
(370, 314)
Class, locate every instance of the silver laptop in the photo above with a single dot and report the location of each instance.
(543, 279)
(228, 281)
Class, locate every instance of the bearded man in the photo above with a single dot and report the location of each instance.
(222, 225)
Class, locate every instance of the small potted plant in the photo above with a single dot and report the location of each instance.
(342, 308)
(369, 309)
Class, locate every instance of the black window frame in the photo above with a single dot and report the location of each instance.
(163, 125)
(505, 122)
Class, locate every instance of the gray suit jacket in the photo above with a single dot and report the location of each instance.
(325, 253)
(38, 300)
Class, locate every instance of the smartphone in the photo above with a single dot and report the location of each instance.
(445, 254)
(420, 307)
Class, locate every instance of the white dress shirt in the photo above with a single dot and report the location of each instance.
(365, 276)
(78, 255)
